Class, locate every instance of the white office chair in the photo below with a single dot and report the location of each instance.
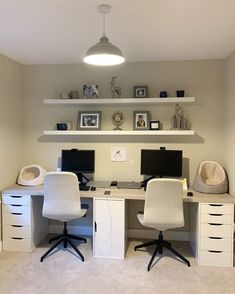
(163, 210)
(62, 202)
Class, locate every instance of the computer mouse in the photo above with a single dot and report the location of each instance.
(93, 188)
(190, 194)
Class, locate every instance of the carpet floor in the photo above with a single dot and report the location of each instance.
(63, 272)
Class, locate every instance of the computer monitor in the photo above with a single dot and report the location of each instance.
(78, 162)
(162, 163)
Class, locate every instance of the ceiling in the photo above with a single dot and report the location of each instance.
(60, 31)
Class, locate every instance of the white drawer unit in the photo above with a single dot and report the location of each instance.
(21, 214)
(17, 244)
(216, 208)
(216, 258)
(16, 199)
(17, 231)
(215, 234)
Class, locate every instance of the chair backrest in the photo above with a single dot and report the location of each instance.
(61, 196)
(164, 196)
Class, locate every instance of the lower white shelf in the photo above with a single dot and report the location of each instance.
(120, 133)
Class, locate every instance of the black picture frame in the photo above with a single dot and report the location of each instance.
(154, 125)
(89, 120)
(140, 92)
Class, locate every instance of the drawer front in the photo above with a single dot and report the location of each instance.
(222, 244)
(11, 199)
(224, 258)
(216, 218)
(17, 231)
(18, 245)
(217, 208)
(16, 208)
(16, 219)
(213, 230)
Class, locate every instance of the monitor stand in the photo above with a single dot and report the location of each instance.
(83, 180)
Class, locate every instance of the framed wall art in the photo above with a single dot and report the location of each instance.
(89, 120)
(141, 120)
(140, 91)
(154, 125)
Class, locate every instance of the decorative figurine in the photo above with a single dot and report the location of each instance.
(180, 119)
(116, 90)
(117, 119)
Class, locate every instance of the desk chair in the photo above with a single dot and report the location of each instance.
(163, 210)
(62, 202)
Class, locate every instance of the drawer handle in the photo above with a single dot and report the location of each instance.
(17, 238)
(16, 196)
(217, 238)
(216, 204)
(215, 251)
(18, 205)
(16, 226)
(215, 214)
(215, 224)
(16, 213)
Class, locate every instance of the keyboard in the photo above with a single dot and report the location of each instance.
(84, 188)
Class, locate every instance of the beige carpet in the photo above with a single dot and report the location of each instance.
(64, 272)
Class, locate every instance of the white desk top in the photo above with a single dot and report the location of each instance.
(132, 194)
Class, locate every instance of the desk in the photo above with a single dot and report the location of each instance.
(211, 220)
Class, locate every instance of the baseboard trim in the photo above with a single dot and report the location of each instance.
(152, 234)
(132, 233)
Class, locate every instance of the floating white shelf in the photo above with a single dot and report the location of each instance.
(120, 133)
(119, 101)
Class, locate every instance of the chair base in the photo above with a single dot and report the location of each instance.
(160, 243)
(65, 238)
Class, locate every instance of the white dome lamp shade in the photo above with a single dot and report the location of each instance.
(104, 52)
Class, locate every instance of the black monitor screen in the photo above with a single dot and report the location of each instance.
(161, 163)
(74, 160)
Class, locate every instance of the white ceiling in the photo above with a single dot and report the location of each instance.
(60, 31)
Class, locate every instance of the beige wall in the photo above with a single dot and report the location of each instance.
(229, 121)
(10, 120)
(202, 79)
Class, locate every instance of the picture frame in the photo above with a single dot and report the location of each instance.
(90, 91)
(141, 120)
(140, 91)
(154, 125)
(89, 120)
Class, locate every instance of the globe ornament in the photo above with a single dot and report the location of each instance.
(117, 120)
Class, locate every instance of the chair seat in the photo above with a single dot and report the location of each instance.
(174, 219)
(63, 217)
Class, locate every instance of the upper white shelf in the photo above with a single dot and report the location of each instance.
(120, 133)
(119, 101)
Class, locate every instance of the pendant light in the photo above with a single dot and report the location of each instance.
(104, 52)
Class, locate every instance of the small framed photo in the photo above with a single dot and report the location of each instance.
(90, 91)
(141, 120)
(154, 125)
(89, 120)
(140, 91)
